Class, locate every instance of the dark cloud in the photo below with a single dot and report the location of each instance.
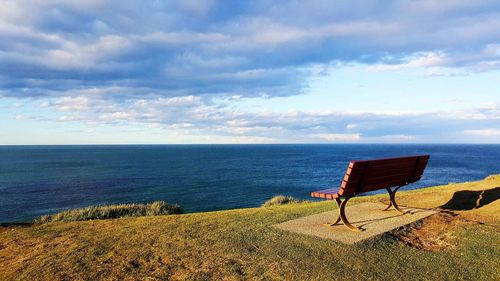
(246, 48)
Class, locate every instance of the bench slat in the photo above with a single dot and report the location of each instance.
(326, 194)
(386, 161)
(382, 185)
(357, 172)
(385, 178)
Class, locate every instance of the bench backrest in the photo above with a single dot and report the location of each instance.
(369, 175)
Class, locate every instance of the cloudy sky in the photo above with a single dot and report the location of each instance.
(92, 72)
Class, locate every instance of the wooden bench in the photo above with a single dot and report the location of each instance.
(370, 175)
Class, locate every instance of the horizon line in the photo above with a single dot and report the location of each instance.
(166, 144)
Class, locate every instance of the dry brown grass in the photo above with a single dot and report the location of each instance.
(435, 233)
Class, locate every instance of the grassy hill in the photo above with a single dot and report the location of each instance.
(460, 244)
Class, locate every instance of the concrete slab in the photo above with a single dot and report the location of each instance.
(367, 216)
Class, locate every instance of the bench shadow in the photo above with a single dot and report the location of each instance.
(362, 223)
(469, 199)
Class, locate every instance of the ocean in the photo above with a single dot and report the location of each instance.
(37, 180)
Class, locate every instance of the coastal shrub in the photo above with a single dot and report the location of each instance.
(281, 200)
(113, 211)
(493, 177)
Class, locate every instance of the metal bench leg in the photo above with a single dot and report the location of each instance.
(342, 216)
(336, 221)
(392, 198)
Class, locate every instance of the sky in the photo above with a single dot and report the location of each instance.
(189, 72)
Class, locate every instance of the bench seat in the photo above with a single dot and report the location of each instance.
(330, 193)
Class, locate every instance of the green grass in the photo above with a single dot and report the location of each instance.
(241, 245)
(156, 208)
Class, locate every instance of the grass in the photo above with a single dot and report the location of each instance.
(281, 200)
(156, 208)
(241, 245)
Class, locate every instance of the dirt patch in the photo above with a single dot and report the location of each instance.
(3, 229)
(435, 233)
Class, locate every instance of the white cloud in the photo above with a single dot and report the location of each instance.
(483, 132)
(392, 138)
(21, 117)
(337, 137)
(195, 117)
(420, 60)
(75, 55)
(78, 103)
(117, 116)
(489, 112)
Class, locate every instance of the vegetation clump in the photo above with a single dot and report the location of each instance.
(281, 200)
(156, 208)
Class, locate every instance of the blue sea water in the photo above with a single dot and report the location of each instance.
(36, 180)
